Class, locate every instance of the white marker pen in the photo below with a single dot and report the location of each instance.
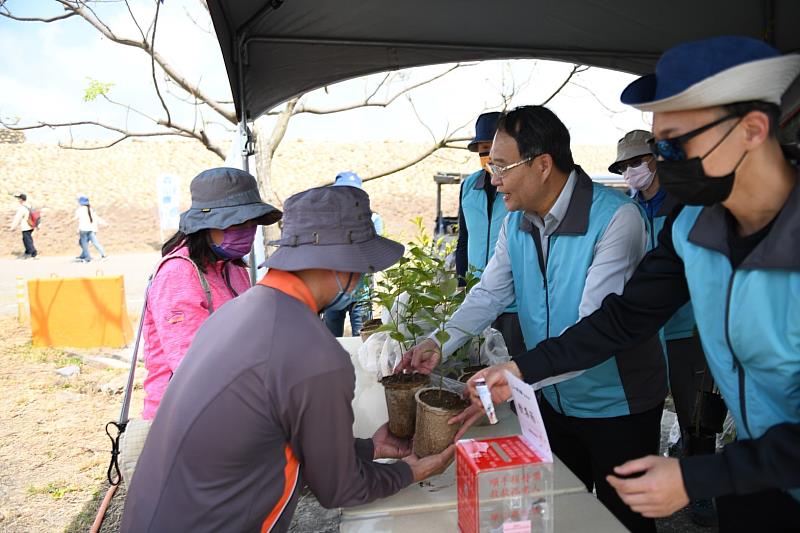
(486, 399)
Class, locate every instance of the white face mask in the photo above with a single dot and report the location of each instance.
(639, 177)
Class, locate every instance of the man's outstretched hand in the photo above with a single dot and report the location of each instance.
(422, 358)
(496, 381)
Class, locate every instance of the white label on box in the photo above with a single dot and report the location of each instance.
(530, 419)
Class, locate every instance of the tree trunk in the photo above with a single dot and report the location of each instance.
(263, 171)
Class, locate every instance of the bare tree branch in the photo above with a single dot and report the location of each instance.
(597, 99)
(367, 101)
(419, 157)
(119, 140)
(153, 61)
(129, 108)
(174, 130)
(457, 146)
(92, 11)
(4, 12)
(279, 130)
(419, 118)
(136, 22)
(207, 29)
(78, 8)
(378, 87)
(575, 70)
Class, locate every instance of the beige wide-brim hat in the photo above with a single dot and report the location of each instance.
(714, 72)
(633, 144)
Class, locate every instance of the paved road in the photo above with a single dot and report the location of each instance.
(133, 267)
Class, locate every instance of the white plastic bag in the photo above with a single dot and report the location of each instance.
(380, 354)
(369, 353)
(494, 350)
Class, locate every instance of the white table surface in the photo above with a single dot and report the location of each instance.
(574, 513)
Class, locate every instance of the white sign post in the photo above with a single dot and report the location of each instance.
(168, 197)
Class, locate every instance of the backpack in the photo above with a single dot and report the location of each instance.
(34, 218)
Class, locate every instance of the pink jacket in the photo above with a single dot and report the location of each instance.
(176, 307)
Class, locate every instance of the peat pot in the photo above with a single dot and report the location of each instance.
(434, 408)
(400, 390)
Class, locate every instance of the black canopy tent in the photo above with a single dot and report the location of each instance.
(277, 49)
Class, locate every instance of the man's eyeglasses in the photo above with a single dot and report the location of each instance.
(498, 171)
(672, 149)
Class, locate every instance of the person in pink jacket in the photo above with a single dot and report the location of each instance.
(201, 269)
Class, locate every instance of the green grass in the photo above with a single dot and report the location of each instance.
(56, 490)
(113, 517)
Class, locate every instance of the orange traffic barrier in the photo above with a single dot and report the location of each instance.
(79, 312)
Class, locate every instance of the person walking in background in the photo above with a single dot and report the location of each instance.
(201, 269)
(360, 308)
(88, 222)
(22, 219)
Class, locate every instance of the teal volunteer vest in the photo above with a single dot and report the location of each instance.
(482, 229)
(748, 318)
(548, 304)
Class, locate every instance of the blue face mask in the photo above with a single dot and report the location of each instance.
(343, 299)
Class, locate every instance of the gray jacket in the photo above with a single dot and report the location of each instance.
(260, 404)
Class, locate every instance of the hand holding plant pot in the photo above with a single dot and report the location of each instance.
(432, 465)
(466, 419)
(387, 446)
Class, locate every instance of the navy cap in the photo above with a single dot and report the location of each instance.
(485, 128)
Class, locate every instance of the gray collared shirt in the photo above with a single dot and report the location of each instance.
(616, 255)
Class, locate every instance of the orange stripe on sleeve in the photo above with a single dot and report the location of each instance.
(290, 474)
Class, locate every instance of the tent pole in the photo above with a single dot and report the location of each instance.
(245, 138)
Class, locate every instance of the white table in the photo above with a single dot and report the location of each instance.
(574, 513)
(431, 504)
(439, 492)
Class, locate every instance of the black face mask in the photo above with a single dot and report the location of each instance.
(688, 182)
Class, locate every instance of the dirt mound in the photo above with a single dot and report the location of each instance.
(120, 182)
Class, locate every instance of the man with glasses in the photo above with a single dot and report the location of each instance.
(690, 382)
(481, 212)
(565, 246)
(732, 250)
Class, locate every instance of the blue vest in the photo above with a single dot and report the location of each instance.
(681, 325)
(481, 230)
(548, 306)
(748, 318)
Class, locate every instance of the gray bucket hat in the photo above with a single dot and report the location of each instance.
(331, 228)
(633, 144)
(223, 197)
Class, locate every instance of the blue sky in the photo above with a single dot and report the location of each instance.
(46, 68)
